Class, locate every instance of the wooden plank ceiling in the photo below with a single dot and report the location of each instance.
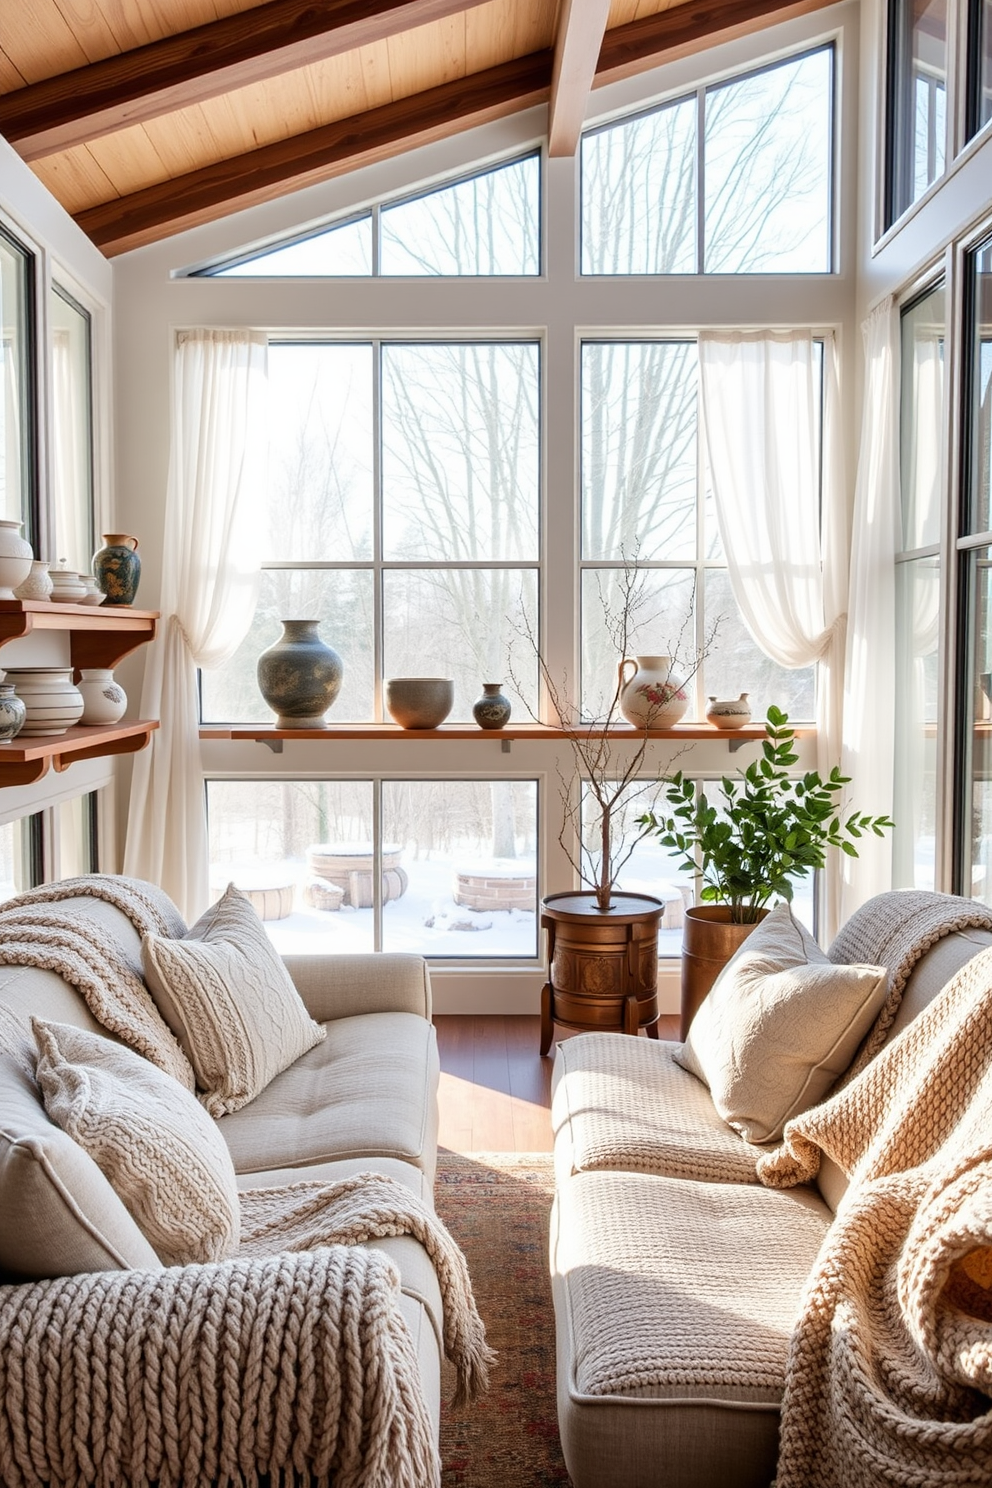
(146, 117)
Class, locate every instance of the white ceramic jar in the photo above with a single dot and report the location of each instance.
(53, 701)
(652, 696)
(94, 594)
(104, 700)
(38, 584)
(729, 713)
(16, 558)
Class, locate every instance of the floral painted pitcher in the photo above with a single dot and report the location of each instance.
(653, 696)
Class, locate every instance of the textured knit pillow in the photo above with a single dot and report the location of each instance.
(228, 998)
(58, 1214)
(152, 1140)
(779, 1026)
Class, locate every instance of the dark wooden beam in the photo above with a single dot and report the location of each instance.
(581, 28)
(686, 29)
(192, 66)
(273, 170)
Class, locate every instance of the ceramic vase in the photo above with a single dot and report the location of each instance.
(492, 709)
(652, 695)
(12, 713)
(94, 594)
(38, 584)
(118, 568)
(52, 700)
(299, 677)
(104, 700)
(729, 713)
(419, 702)
(16, 558)
(67, 586)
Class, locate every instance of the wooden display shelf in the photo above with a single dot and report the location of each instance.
(25, 760)
(269, 734)
(99, 635)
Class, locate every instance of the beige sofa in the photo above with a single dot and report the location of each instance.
(677, 1278)
(363, 1099)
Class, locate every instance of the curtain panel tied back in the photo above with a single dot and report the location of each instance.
(210, 579)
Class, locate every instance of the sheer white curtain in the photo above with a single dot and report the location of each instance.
(869, 691)
(210, 573)
(786, 548)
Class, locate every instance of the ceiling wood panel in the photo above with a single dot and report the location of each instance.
(209, 105)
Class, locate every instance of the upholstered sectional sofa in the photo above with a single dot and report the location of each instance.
(360, 1100)
(680, 1279)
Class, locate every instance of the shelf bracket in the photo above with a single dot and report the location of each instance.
(274, 744)
(734, 744)
(505, 745)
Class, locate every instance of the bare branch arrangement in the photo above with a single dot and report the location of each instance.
(602, 760)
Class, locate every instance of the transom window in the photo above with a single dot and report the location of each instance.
(735, 178)
(483, 225)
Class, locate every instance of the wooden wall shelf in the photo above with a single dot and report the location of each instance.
(25, 760)
(273, 737)
(99, 636)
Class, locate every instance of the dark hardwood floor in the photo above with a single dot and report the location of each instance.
(495, 1093)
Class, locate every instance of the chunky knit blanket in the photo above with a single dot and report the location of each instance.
(896, 930)
(292, 1358)
(889, 1375)
(34, 931)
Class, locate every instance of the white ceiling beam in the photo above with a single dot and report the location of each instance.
(581, 28)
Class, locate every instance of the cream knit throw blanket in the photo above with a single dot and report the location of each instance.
(34, 931)
(896, 930)
(292, 1357)
(890, 1365)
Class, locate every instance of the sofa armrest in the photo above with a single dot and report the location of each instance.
(207, 1373)
(343, 986)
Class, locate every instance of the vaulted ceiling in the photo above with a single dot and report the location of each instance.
(145, 117)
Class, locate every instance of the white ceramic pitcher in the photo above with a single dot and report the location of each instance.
(652, 696)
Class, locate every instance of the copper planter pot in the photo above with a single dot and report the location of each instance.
(709, 939)
(603, 964)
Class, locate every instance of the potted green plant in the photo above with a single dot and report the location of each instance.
(768, 830)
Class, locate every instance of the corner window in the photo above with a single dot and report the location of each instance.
(916, 101)
(17, 374)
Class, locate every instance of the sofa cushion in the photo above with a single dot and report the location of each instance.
(625, 1103)
(779, 1026)
(153, 1140)
(229, 1000)
(59, 1216)
(674, 1306)
(368, 1090)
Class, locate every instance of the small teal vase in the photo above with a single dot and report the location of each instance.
(117, 568)
(492, 709)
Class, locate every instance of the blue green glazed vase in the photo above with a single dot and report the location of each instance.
(299, 677)
(117, 568)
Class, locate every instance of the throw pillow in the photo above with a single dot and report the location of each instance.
(58, 1214)
(779, 1026)
(228, 998)
(151, 1139)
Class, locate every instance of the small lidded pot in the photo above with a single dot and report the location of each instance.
(729, 713)
(67, 586)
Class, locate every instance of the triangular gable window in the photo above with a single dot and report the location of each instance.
(341, 251)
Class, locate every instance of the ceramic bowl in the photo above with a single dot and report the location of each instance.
(419, 702)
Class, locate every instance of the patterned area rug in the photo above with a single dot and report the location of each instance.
(497, 1207)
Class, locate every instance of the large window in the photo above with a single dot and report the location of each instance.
(917, 100)
(72, 424)
(644, 503)
(403, 513)
(733, 179)
(975, 825)
(443, 868)
(922, 412)
(20, 855)
(487, 224)
(979, 65)
(18, 403)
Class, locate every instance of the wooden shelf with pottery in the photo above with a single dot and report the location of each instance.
(99, 635)
(27, 758)
(273, 737)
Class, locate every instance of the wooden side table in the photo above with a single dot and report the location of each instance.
(602, 964)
